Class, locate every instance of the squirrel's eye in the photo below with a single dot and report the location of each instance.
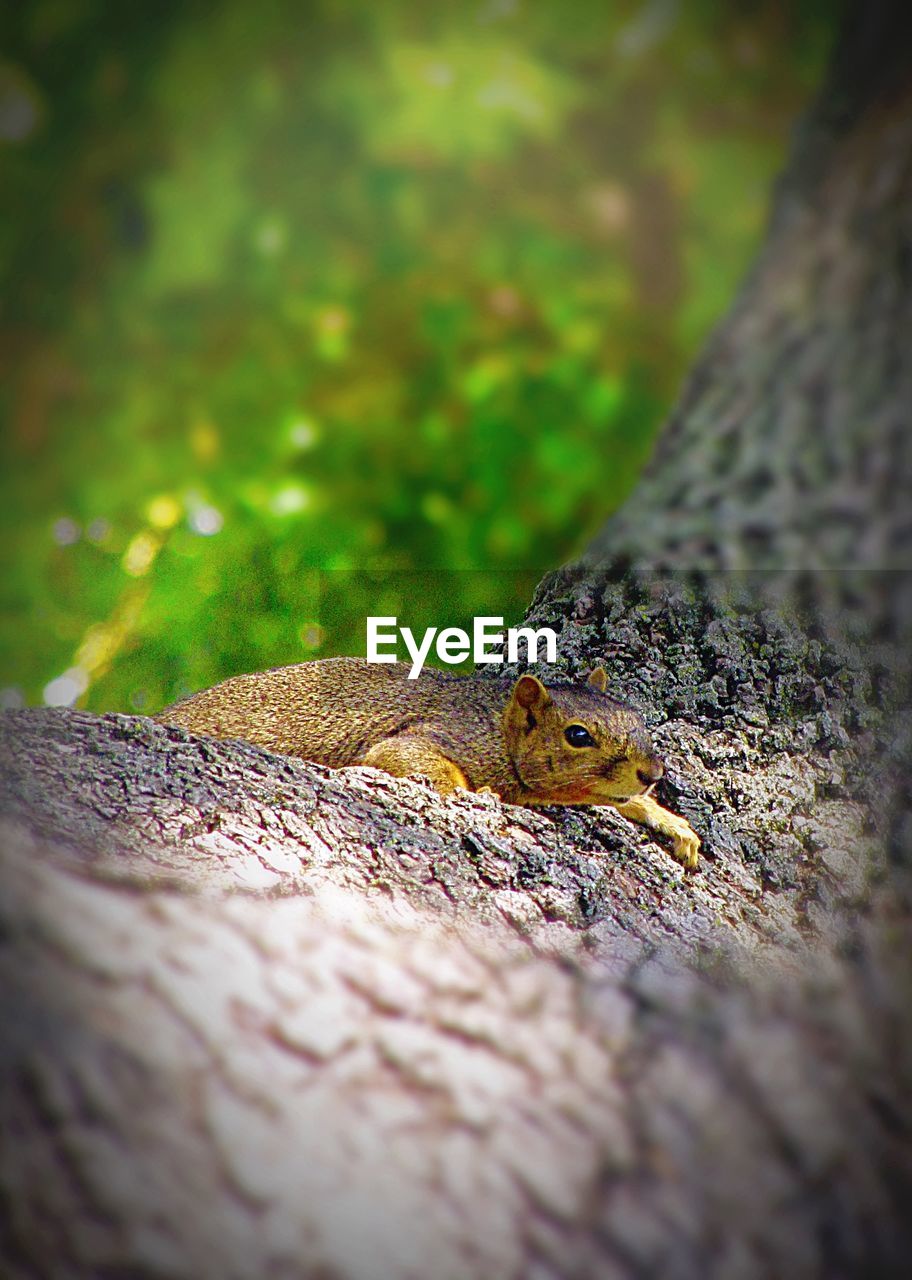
(577, 736)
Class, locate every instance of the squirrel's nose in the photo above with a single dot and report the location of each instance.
(651, 772)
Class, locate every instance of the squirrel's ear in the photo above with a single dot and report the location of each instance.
(530, 693)
(598, 679)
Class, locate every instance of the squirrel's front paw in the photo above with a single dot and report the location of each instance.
(686, 843)
(646, 810)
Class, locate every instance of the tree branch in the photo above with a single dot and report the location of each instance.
(264, 1019)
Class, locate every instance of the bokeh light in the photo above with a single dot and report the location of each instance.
(315, 311)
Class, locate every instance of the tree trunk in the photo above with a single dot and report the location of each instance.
(259, 1018)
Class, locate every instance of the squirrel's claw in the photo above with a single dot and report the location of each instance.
(647, 811)
(686, 846)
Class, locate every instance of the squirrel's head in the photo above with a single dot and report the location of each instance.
(573, 744)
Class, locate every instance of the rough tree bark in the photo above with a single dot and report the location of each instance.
(259, 1019)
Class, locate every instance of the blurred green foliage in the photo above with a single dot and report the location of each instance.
(318, 310)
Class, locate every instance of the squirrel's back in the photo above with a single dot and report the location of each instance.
(333, 710)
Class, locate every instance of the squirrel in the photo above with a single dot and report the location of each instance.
(527, 742)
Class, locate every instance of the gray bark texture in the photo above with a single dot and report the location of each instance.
(260, 1019)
